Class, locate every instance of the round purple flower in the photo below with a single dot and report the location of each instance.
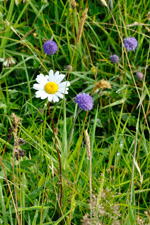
(139, 75)
(130, 43)
(114, 58)
(50, 47)
(84, 101)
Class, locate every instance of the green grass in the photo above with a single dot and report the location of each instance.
(118, 124)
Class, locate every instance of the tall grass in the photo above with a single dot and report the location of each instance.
(112, 187)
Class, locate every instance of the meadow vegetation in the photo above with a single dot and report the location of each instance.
(104, 151)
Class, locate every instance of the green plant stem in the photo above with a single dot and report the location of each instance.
(134, 156)
(77, 165)
(90, 180)
(16, 211)
(58, 155)
(72, 129)
(15, 188)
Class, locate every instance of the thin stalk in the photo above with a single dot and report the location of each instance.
(18, 219)
(134, 156)
(77, 166)
(90, 180)
(15, 187)
(58, 155)
(72, 128)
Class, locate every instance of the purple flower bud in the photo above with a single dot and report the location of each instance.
(130, 43)
(114, 58)
(84, 101)
(21, 154)
(69, 67)
(50, 47)
(9, 137)
(139, 75)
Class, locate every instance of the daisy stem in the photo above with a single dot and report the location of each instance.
(58, 155)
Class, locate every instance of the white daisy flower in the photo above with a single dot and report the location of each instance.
(51, 87)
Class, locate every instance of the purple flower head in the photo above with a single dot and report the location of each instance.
(84, 101)
(130, 43)
(114, 58)
(50, 47)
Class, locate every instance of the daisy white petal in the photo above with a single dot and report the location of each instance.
(62, 90)
(60, 78)
(40, 93)
(40, 76)
(56, 75)
(47, 77)
(64, 84)
(59, 95)
(44, 95)
(50, 98)
(51, 75)
(38, 87)
(55, 98)
(41, 80)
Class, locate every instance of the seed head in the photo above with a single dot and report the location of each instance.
(21, 154)
(21, 141)
(10, 129)
(9, 137)
(87, 139)
(101, 84)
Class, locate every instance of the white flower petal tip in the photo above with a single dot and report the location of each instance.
(68, 83)
(37, 87)
(51, 86)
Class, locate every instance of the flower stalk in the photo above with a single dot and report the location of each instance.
(58, 155)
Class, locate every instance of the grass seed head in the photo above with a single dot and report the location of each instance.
(101, 84)
(81, 25)
(73, 4)
(19, 154)
(87, 139)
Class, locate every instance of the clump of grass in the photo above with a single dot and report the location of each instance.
(109, 184)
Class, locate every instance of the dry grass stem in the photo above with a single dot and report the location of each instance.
(87, 139)
(138, 169)
(16, 122)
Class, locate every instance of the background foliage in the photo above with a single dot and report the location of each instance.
(118, 125)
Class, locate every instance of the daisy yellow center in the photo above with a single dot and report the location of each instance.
(51, 88)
